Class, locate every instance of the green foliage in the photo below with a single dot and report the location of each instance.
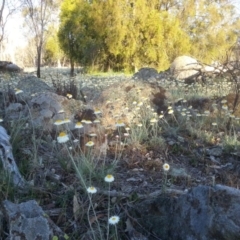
(211, 27)
(53, 53)
(120, 35)
(76, 33)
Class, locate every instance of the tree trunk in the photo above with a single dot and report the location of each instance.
(39, 61)
(72, 67)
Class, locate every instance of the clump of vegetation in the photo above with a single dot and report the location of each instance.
(92, 178)
(177, 133)
(66, 88)
(126, 36)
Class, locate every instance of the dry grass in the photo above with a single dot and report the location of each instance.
(158, 127)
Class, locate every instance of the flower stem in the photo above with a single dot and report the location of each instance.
(108, 210)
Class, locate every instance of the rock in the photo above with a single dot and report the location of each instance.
(31, 85)
(13, 68)
(9, 66)
(1, 219)
(203, 213)
(14, 111)
(184, 67)
(178, 173)
(28, 221)
(48, 107)
(7, 159)
(89, 93)
(216, 151)
(14, 107)
(3, 65)
(44, 108)
(145, 74)
(164, 75)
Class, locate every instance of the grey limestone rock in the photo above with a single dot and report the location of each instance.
(146, 74)
(216, 151)
(184, 67)
(13, 68)
(48, 107)
(29, 222)
(9, 66)
(7, 159)
(203, 213)
(30, 85)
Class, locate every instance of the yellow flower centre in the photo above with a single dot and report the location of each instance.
(62, 134)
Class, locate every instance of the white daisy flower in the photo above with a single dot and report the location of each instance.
(96, 121)
(89, 144)
(166, 167)
(58, 122)
(120, 124)
(92, 190)
(92, 134)
(153, 120)
(97, 111)
(62, 137)
(109, 178)
(113, 220)
(78, 125)
(66, 120)
(17, 91)
(69, 95)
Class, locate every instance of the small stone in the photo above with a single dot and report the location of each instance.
(216, 151)
(180, 139)
(171, 143)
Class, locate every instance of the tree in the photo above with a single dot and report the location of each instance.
(66, 33)
(118, 35)
(142, 35)
(211, 26)
(52, 52)
(77, 32)
(7, 9)
(38, 15)
(2, 22)
(132, 34)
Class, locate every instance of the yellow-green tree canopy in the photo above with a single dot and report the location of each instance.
(52, 50)
(211, 26)
(132, 34)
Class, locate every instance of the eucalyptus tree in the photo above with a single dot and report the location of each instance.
(38, 14)
(211, 26)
